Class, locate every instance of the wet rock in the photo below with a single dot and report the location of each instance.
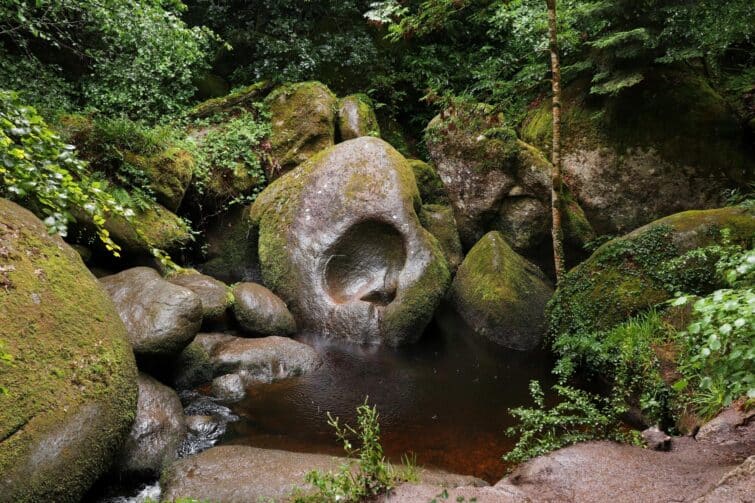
(495, 181)
(157, 432)
(232, 248)
(356, 117)
(161, 318)
(425, 492)
(340, 242)
(621, 277)
(197, 404)
(729, 427)
(241, 474)
(193, 366)
(60, 424)
(260, 311)
(439, 221)
(263, 360)
(303, 121)
(500, 295)
(737, 486)
(667, 145)
(203, 433)
(228, 388)
(656, 439)
(215, 295)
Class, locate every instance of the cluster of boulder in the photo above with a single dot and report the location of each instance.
(350, 240)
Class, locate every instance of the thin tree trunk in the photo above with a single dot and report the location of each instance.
(556, 231)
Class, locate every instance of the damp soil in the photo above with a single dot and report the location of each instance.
(444, 400)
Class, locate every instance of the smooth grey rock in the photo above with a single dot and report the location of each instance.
(161, 318)
(215, 295)
(340, 242)
(260, 311)
(157, 432)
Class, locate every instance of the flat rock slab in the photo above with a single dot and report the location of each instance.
(234, 473)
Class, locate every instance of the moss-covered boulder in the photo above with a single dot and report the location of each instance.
(303, 121)
(154, 227)
(500, 295)
(439, 221)
(494, 180)
(356, 117)
(635, 272)
(68, 392)
(429, 183)
(232, 248)
(341, 243)
(169, 173)
(666, 145)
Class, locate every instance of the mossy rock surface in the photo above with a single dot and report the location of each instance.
(169, 173)
(500, 295)
(439, 221)
(493, 180)
(635, 272)
(155, 227)
(232, 248)
(239, 99)
(667, 145)
(303, 122)
(68, 396)
(429, 183)
(341, 243)
(356, 117)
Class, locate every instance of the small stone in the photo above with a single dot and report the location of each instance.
(228, 388)
(656, 439)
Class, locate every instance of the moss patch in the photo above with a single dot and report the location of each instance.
(70, 391)
(431, 188)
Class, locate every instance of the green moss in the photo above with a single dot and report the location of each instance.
(303, 120)
(240, 99)
(431, 188)
(356, 117)
(439, 221)
(633, 273)
(169, 173)
(153, 227)
(72, 362)
(192, 367)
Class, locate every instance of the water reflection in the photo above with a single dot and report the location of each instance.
(444, 399)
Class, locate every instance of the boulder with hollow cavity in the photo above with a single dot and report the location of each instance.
(341, 243)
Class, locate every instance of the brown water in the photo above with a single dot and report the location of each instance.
(445, 400)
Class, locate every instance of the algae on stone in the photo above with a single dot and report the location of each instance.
(439, 221)
(500, 295)
(69, 395)
(356, 117)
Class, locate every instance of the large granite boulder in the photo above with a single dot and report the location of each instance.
(303, 122)
(215, 295)
(440, 222)
(68, 394)
(260, 311)
(340, 242)
(157, 432)
(161, 318)
(495, 181)
(356, 117)
(635, 272)
(668, 144)
(500, 295)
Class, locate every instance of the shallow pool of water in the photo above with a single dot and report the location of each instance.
(445, 400)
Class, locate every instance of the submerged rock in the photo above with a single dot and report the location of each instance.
(341, 243)
(356, 117)
(68, 395)
(215, 295)
(500, 295)
(263, 360)
(303, 121)
(260, 311)
(161, 318)
(157, 432)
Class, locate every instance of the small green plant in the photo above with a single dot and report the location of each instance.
(443, 496)
(368, 475)
(577, 417)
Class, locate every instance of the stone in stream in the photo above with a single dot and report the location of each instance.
(341, 243)
(215, 295)
(500, 295)
(69, 393)
(157, 432)
(192, 367)
(161, 318)
(236, 473)
(228, 388)
(260, 311)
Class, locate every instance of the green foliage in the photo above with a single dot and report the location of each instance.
(43, 173)
(577, 417)
(369, 475)
(119, 56)
(717, 359)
